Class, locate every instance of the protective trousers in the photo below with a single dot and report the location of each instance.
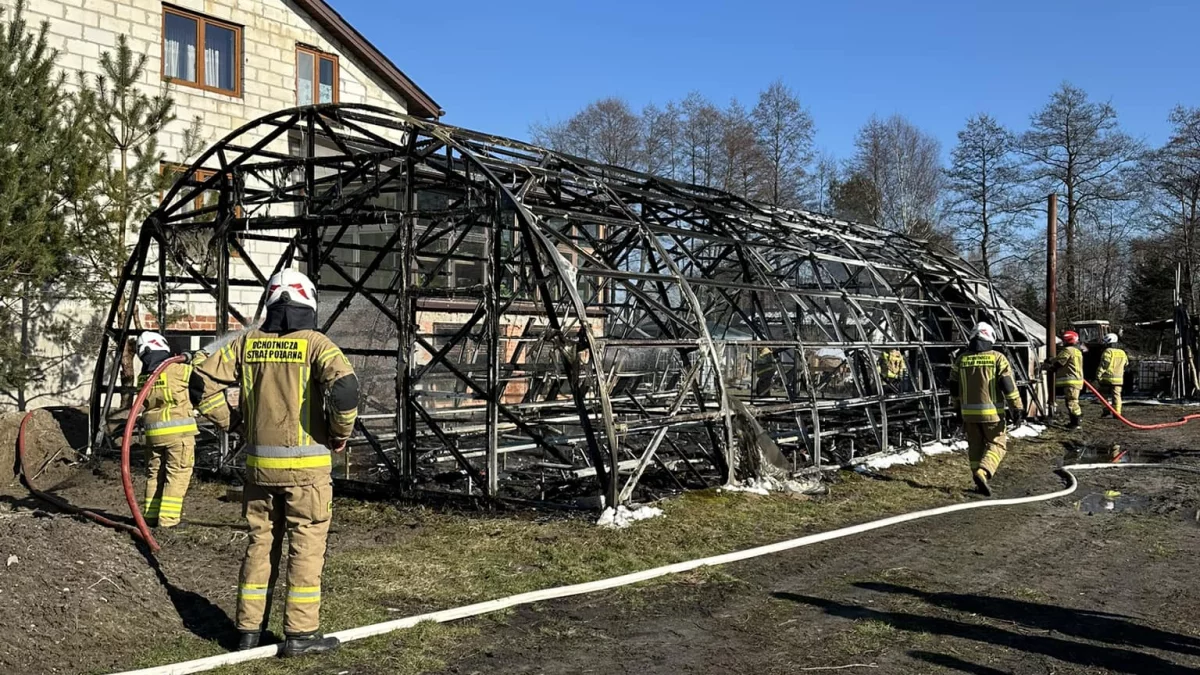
(169, 471)
(985, 445)
(1071, 397)
(304, 513)
(1113, 393)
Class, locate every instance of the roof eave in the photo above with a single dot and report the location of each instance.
(420, 103)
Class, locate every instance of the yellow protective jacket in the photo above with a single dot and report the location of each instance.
(891, 365)
(979, 381)
(299, 397)
(168, 412)
(1113, 362)
(1068, 366)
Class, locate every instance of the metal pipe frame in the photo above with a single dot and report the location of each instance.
(532, 326)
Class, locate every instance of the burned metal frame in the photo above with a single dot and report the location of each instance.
(529, 325)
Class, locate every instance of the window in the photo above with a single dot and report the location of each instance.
(201, 52)
(205, 199)
(316, 77)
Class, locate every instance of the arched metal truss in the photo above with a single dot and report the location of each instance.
(566, 330)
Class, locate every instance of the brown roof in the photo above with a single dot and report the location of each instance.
(419, 103)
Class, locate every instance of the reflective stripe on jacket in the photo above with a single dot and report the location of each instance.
(298, 396)
(979, 382)
(168, 412)
(1069, 364)
(1113, 362)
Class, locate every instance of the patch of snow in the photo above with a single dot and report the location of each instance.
(745, 488)
(1181, 404)
(766, 485)
(624, 516)
(941, 447)
(1027, 431)
(892, 459)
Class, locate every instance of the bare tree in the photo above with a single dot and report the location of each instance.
(1075, 145)
(819, 183)
(784, 130)
(741, 160)
(1172, 174)
(903, 165)
(606, 131)
(984, 180)
(661, 143)
(700, 131)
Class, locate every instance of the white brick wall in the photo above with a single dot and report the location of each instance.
(82, 29)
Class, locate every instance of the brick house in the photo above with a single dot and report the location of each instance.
(227, 62)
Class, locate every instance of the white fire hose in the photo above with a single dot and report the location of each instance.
(466, 611)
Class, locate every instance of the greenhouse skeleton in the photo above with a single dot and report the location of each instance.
(567, 332)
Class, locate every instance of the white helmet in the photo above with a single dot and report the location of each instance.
(984, 331)
(1111, 339)
(152, 342)
(294, 286)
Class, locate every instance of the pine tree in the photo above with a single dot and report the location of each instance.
(126, 122)
(48, 168)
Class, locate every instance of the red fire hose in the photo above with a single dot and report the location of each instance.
(1144, 427)
(58, 502)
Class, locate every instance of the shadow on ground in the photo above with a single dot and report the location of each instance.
(199, 615)
(1081, 624)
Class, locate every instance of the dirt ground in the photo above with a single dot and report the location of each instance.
(1066, 587)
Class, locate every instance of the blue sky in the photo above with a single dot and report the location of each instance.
(497, 67)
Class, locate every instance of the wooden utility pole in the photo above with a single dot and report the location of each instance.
(1051, 293)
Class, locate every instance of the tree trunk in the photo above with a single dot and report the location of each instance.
(1072, 304)
(26, 347)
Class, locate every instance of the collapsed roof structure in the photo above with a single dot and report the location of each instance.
(529, 325)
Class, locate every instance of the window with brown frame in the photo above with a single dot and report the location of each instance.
(206, 199)
(201, 52)
(317, 76)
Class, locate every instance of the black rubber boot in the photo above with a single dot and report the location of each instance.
(981, 482)
(309, 643)
(248, 639)
(1074, 422)
(1105, 414)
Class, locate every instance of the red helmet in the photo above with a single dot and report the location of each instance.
(1070, 337)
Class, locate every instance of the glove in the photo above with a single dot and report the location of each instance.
(1016, 416)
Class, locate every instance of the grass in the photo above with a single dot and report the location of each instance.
(867, 636)
(438, 560)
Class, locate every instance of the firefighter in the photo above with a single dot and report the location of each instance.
(170, 432)
(1111, 373)
(298, 402)
(979, 378)
(1068, 369)
(892, 369)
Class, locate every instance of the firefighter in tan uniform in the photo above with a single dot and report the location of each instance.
(1068, 375)
(981, 382)
(1111, 373)
(892, 369)
(170, 432)
(298, 400)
